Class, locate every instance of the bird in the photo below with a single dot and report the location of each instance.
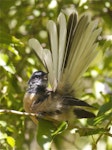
(52, 93)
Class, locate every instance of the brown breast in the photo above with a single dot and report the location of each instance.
(28, 100)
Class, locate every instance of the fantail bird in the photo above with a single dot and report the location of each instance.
(73, 45)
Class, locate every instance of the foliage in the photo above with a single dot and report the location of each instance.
(21, 20)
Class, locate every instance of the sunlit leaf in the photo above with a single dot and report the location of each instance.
(63, 126)
(2, 135)
(8, 39)
(10, 141)
(101, 118)
(6, 63)
(3, 123)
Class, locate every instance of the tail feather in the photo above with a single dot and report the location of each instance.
(53, 34)
(62, 26)
(78, 50)
(50, 67)
(71, 26)
(75, 50)
(37, 48)
(80, 113)
(83, 49)
(79, 31)
(69, 101)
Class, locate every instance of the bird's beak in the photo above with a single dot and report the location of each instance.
(45, 76)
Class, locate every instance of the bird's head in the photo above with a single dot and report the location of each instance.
(38, 80)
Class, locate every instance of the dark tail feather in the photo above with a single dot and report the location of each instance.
(80, 113)
(75, 102)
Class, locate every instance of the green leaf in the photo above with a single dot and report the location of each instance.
(3, 59)
(104, 108)
(105, 112)
(100, 119)
(47, 131)
(3, 123)
(6, 63)
(91, 131)
(44, 133)
(7, 39)
(63, 126)
(17, 41)
(10, 141)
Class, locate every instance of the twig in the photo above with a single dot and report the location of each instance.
(94, 146)
(17, 112)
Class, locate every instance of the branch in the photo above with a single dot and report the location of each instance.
(17, 112)
(100, 136)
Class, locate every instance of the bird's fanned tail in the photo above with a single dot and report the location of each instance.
(73, 47)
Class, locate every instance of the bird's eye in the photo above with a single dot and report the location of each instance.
(36, 77)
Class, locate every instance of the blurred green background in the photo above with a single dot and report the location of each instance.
(21, 20)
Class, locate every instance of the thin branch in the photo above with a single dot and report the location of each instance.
(109, 134)
(17, 112)
(102, 133)
(100, 136)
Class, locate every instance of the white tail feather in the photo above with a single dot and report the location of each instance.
(49, 64)
(34, 43)
(62, 42)
(52, 29)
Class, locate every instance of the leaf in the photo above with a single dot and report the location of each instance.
(91, 131)
(100, 119)
(3, 135)
(6, 64)
(3, 123)
(105, 112)
(10, 141)
(63, 126)
(44, 134)
(7, 39)
(47, 131)
(104, 108)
